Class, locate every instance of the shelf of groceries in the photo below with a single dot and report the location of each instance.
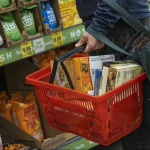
(29, 27)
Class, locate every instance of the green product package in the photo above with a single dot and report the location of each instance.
(9, 26)
(4, 3)
(28, 19)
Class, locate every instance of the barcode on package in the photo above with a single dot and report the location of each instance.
(15, 119)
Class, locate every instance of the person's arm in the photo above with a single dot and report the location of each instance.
(105, 17)
(104, 20)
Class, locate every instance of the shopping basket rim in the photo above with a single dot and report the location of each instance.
(39, 74)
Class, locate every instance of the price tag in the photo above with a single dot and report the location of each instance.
(57, 39)
(26, 49)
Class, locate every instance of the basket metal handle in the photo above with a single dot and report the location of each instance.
(61, 59)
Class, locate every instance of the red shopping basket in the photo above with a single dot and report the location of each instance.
(102, 119)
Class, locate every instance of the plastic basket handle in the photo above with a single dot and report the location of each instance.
(61, 59)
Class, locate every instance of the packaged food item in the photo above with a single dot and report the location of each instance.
(45, 58)
(60, 78)
(5, 111)
(69, 13)
(96, 62)
(9, 26)
(17, 97)
(79, 71)
(98, 74)
(4, 97)
(117, 74)
(4, 3)
(26, 116)
(48, 15)
(28, 19)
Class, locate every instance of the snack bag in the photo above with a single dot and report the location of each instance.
(69, 13)
(9, 26)
(26, 117)
(17, 97)
(4, 97)
(4, 3)
(28, 19)
(5, 111)
(45, 58)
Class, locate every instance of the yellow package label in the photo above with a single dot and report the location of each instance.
(69, 13)
(81, 71)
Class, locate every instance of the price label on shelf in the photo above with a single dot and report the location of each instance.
(0, 61)
(57, 39)
(26, 49)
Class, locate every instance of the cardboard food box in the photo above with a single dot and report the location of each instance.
(21, 3)
(38, 24)
(55, 7)
(18, 71)
(69, 13)
(7, 39)
(12, 134)
(10, 8)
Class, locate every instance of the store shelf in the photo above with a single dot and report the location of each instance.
(40, 45)
(76, 144)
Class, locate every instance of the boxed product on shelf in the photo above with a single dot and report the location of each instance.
(7, 5)
(51, 15)
(31, 21)
(24, 3)
(69, 13)
(12, 134)
(11, 29)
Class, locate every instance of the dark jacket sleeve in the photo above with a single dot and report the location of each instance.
(105, 17)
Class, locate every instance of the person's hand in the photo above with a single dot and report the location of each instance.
(92, 43)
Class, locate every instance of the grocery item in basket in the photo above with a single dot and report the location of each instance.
(26, 117)
(69, 13)
(98, 74)
(28, 19)
(79, 71)
(60, 78)
(9, 26)
(118, 74)
(5, 3)
(96, 62)
(48, 15)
